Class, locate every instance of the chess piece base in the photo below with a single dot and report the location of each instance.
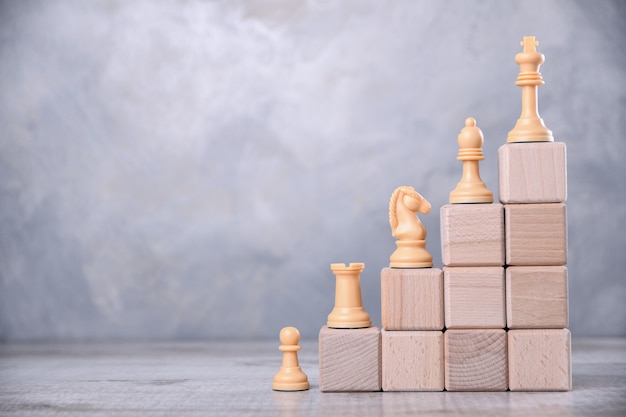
(348, 318)
(290, 386)
(477, 194)
(530, 130)
(471, 199)
(411, 254)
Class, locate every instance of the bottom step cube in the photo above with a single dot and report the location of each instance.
(540, 360)
(476, 360)
(350, 359)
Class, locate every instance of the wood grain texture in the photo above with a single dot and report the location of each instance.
(412, 360)
(472, 234)
(474, 297)
(536, 297)
(475, 360)
(540, 360)
(412, 299)
(350, 359)
(532, 172)
(536, 234)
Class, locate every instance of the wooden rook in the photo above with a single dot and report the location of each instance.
(536, 234)
(474, 297)
(475, 360)
(536, 297)
(349, 360)
(532, 173)
(412, 299)
(540, 360)
(472, 234)
(412, 361)
(348, 312)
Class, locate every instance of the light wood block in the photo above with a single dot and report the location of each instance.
(474, 297)
(532, 172)
(536, 234)
(472, 234)
(536, 297)
(412, 299)
(475, 360)
(540, 360)
(350, 359)
(412, 360)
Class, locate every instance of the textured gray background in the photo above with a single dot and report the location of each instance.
(189, 169)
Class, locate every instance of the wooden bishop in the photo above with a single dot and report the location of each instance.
(471, 189)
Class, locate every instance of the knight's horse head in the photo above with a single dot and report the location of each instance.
(410, 199)
(414, 200)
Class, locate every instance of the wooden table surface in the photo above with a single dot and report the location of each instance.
(234, 378)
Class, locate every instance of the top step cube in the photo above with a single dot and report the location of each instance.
(532, 172)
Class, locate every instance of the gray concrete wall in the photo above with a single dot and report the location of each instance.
(183, 170)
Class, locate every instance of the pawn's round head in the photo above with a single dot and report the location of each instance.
(471, 136)
(289, 336)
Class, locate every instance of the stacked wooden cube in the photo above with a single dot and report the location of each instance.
(412, 335)
(505, 279)
(349, 359)
(496, 316)
(473, 248)
(533, 189)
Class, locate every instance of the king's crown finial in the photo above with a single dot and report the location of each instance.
(529, 43)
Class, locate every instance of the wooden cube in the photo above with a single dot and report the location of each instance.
(412, 299)
(536, 297)
(540, 360)
(535, 234)
(350, 359)
(474, 297)
(412, 360)
(475, 360)
(533, 172)
(472, 234)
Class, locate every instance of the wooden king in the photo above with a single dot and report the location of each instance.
(529, 127)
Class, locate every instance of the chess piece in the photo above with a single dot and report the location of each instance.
(471, 189)
(290, 377)
(348, 312)
(529, 127)
(411, 247)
